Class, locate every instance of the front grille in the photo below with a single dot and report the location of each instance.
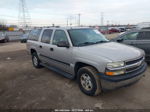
(137, 64)
(134, 61)
(129, 70)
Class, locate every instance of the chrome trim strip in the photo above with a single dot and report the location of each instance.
(135, 58)
(135, 68)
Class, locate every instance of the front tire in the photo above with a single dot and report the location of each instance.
(89, 81)
(36, 60)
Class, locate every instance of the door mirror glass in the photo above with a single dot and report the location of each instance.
(63, 44)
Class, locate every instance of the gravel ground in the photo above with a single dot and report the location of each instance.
(24, 87)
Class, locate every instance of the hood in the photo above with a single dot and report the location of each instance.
(112, 51)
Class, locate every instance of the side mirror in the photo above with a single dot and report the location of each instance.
(120, 40)
(63, 44)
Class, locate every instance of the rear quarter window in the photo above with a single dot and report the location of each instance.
(34, 35)
(146, 35)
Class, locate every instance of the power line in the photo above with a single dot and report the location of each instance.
(23, 17)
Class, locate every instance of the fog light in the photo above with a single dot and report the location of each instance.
(115, 73)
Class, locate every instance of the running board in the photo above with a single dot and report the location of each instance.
(67, 75)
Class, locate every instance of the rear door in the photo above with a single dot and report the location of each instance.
(143, 42)
(44, 46)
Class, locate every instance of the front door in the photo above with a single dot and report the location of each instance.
(61, 56)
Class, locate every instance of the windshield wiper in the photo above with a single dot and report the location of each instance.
(86, 43)
(102, 41)
(91, 43)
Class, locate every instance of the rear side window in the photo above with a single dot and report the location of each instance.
(131, 36)
(144, 35)
(34, 35)
(46, 37)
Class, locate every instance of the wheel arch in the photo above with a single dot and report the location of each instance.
(32, 51)
(79, 65)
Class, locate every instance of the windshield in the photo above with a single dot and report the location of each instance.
(83, 37)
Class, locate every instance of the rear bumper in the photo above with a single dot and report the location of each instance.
(114, 82)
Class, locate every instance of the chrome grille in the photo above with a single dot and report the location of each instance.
(134, 64)
(134, 61)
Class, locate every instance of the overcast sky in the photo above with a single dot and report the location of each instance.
(47, 12)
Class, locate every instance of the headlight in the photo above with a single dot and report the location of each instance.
(111, 68)
(115, 65)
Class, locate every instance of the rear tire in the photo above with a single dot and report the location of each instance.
(4, 41)
(8, 40)
(89, 81)
(36, 60)
(148, 62)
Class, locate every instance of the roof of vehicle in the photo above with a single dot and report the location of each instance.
(65, 28)
(137, 30)
(130, 31)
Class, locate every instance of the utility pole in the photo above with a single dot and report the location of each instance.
(102, 18)
(67, 21)
(23, 18)
(70, 19)
(107, 22)
(79, 19)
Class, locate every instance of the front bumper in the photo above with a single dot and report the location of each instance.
(114, 82)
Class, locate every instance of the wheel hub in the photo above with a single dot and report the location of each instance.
(35, 61)
(86, 82)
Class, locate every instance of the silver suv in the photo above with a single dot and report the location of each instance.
(86, 55)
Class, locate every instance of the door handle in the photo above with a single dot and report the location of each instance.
(40, 46)
(51, 49)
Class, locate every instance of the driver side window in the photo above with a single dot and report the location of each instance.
(131, 36)
(59, 36)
